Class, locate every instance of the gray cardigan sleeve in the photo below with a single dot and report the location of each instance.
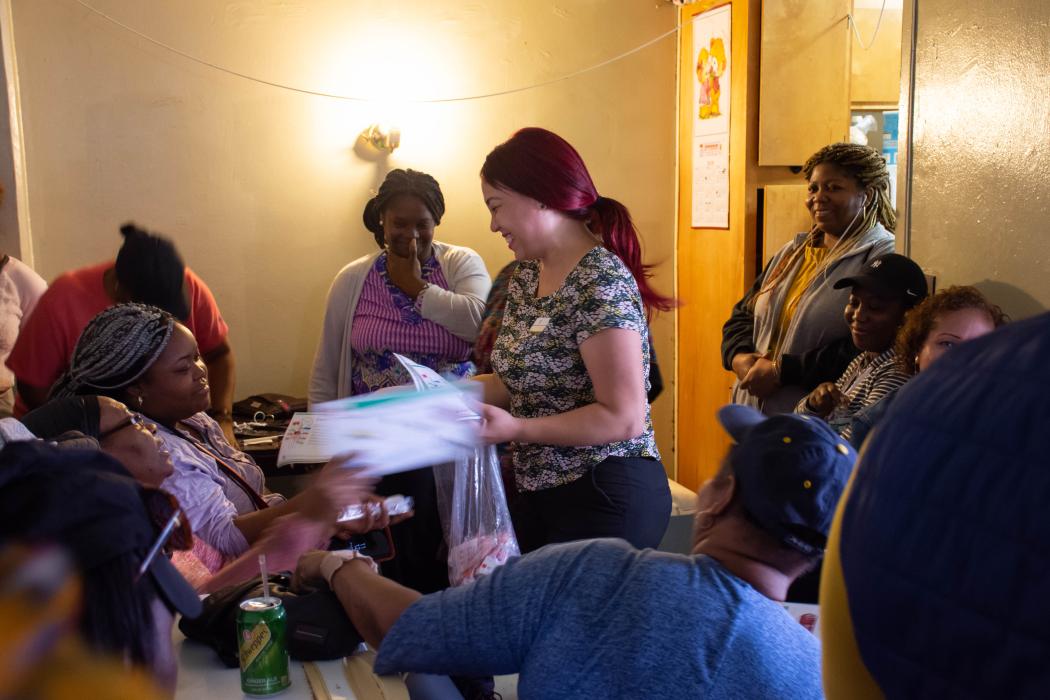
(459, 308)
(330, 357)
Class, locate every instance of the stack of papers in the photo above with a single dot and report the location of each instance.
(388, 431)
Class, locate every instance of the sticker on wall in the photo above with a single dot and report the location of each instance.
(711, 100)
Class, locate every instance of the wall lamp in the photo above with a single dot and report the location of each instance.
(382, 137)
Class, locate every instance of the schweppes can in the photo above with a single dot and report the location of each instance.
(263, 651)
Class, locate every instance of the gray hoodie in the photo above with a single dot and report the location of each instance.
(818, 320)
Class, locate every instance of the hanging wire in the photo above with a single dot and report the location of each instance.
(356, 98)
(853, 23)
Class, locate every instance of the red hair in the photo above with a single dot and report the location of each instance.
(543, 166)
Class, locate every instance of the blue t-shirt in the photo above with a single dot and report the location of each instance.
(599, 619)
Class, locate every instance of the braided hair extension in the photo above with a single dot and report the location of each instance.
(868, 167)
(403, 182)
(115, 349)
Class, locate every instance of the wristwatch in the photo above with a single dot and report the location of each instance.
(333, 561)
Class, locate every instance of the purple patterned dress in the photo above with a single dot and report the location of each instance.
(387, 320)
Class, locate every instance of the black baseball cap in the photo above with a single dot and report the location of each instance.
(893, 276)
(791, 470)
(88, 503)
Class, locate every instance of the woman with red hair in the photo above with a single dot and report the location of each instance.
(571, 361)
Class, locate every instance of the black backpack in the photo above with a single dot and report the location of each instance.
(317, 627)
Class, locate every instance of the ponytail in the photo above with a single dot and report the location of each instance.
(542, 165)
(612, 221)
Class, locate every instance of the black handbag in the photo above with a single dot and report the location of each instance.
(317, 627)
(273, 407)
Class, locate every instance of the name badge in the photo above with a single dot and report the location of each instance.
(540, 324)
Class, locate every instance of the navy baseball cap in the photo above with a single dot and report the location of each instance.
(893, 276)
(791, 470)
(88, 503)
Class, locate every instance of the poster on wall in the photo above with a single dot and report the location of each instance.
(711, 101)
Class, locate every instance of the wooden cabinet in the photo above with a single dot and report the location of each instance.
(875, 76)
(784, 215)
(804, 100)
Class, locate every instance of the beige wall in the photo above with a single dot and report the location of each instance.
(980, 198)
(262, 188)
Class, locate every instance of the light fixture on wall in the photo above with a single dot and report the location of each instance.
(382, 137)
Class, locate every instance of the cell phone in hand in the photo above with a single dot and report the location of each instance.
(395, 505)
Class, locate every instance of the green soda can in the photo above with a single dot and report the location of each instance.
(263, 651)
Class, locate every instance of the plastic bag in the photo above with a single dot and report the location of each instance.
(474, 515)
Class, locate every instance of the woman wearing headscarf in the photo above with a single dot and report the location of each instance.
(416, 297)
(793, 306)
(122, 434)
(143, 357)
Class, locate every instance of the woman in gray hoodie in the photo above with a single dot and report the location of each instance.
(793, 309)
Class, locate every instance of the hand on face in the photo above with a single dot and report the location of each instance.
(405, 271)
(405, 220)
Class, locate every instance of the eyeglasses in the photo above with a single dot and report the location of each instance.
(133, 419)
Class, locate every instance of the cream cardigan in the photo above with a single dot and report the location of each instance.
(458, 309)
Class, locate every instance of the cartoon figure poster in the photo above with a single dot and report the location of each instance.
(711, 101)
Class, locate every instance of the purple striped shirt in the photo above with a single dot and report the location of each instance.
(386, 320)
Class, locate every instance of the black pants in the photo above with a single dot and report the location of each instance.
(626, 497)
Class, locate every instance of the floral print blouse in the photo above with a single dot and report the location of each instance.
(543, 369)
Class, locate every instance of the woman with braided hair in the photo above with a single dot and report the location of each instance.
(141, 356)
(793, 307)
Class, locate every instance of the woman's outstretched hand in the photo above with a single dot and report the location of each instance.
(335, 487)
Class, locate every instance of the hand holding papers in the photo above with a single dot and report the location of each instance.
(389, 431)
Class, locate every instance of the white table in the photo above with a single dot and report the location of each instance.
(202, 676)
